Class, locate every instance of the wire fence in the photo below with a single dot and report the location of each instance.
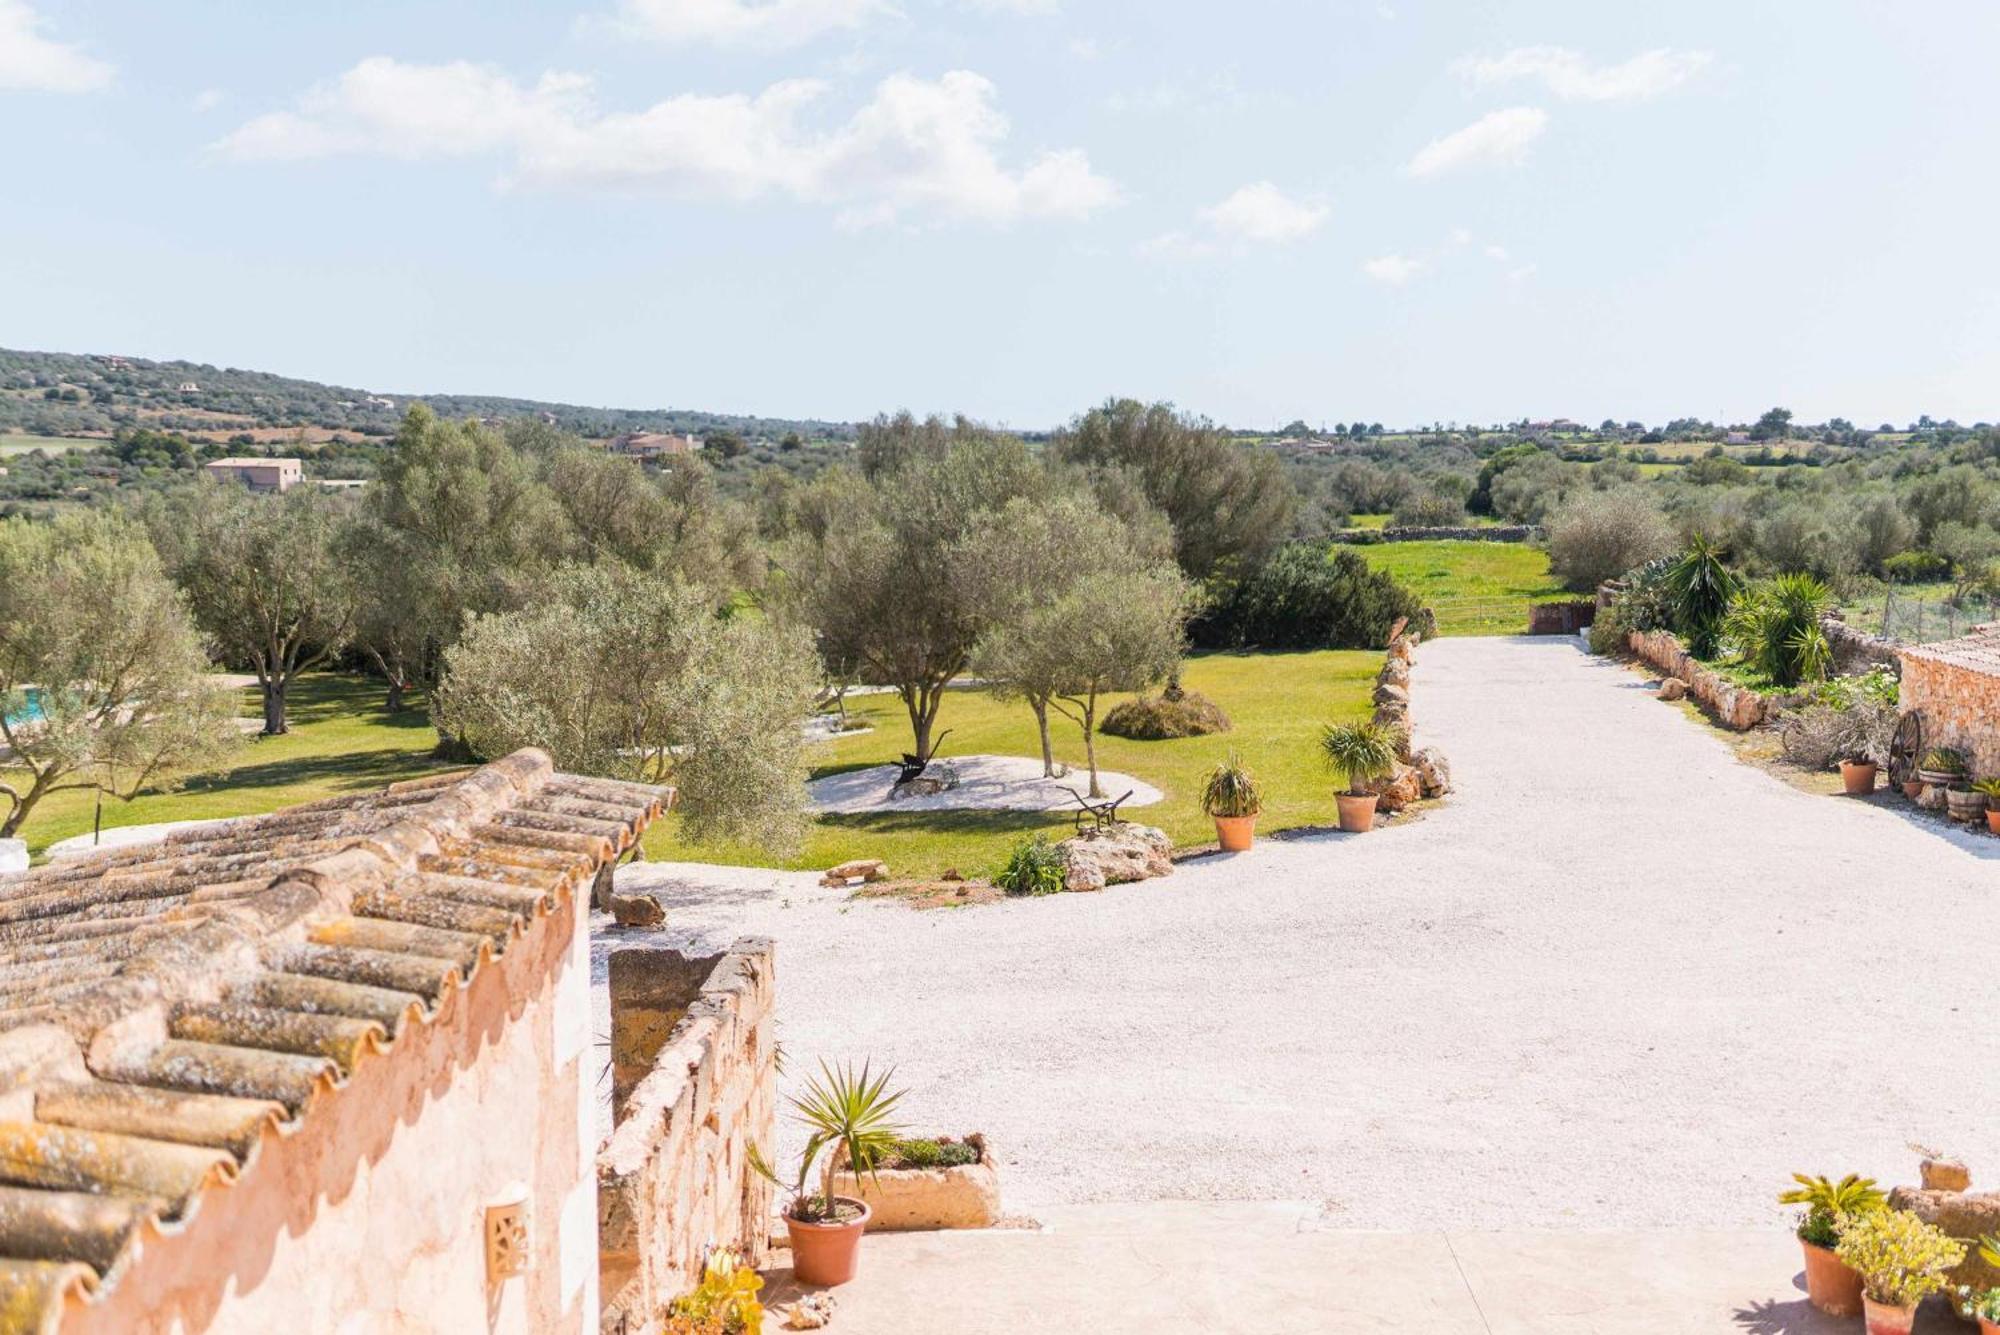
(1908, 620)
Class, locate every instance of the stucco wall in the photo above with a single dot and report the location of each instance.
(674, 1178)
(1961, 708)
(369, 1219)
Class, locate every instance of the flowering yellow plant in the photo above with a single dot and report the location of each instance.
(1902, 1260)
(726, 1301)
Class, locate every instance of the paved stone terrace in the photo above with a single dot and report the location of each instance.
(1620, 981)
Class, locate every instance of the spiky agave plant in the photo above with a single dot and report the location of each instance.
(847, 1113)
(1362, 751)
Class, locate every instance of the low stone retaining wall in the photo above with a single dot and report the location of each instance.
(1731, 704)
(694, 1079)
(1490, 533)
(1561, 618)
(1857, 651)
(1418, 773)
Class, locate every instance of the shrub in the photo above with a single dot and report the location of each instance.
(725, 1303)
(1307, 598)
(1175, 713)
(1035, 867)
(1820, 734)
(1827, 1202)
(1231, 792)
(1430, 510)
(1599, 535)
(1775, 626)
(1902, 1259)
(941, 1153)
(1701, 587)
(1916, 568)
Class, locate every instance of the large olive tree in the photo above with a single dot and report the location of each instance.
(634, 674)
(121, 696)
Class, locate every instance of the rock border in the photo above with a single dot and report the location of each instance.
(1420, 772)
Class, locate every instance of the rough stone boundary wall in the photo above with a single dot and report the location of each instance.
(1961, 708)
(1505, 533)
(674, 1179)
(1857, 651)
(1732, 705)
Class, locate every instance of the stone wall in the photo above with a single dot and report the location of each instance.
(1732, 705)
(1487, 533)
(1857, 651)
(694, 1077)
(1961, 708)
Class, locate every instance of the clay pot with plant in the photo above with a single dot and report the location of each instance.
(1901, 1260)
(1231, 798)
(1361, 751)
(1942, 767)
(1857, 774)
(1990, 790)
(1832, 1285)
(1983, 1305)
(846, 1114)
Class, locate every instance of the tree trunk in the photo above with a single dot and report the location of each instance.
(1041, 708)
(274, 707)
(396, 689)
(1090, 741)
(922, 702)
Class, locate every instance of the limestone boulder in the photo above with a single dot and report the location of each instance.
(1965, 1215)
(1673, 688)
(938, 777)
(1113, 856)
(1395, 672)
(1401, 648)
(1433, 771)
(1396, 789)
(13, 855)
(1387, 694)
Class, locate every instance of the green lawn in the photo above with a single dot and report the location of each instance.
(1277, 703)
(1476, 588)
(11, 443)
(341, 741)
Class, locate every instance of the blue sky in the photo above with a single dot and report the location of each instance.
(1399, 211)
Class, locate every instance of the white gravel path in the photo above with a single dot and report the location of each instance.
(1619, 980)
(985, 783)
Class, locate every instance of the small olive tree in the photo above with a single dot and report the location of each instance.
(634, 675)
(1599, 535)
(122, 699)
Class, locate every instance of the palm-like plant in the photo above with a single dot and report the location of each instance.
(1231, 791)
(1775, 625)
(1828, 1202)
(1362, 751)
(847, 1112)
(1700, 587)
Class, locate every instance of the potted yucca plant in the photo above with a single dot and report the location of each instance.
(1990, 790)
(847, 1117)
(1902, 1261)
(1833, 1286)
(1361, 751)
(1230, 797)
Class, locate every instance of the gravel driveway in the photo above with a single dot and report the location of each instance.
(1619, 980)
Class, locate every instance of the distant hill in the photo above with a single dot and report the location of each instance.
(76, 394)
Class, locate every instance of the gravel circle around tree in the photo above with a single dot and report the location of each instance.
(986, 783)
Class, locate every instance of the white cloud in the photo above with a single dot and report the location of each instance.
(208, 99)
(1568, 75)
(1395, 270)
(1498, 138)
(32, 63)
(917, 147)
(751, 23)
(1498, 254)
(1262, 212)
(1017, 6)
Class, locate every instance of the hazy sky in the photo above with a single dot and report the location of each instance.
(1400, 211)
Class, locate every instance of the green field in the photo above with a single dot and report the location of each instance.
(1476, 588)
(23, 444)
(342, 741)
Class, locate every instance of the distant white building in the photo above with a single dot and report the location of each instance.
(189, 387)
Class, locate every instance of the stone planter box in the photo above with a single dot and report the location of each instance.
(909, 1199)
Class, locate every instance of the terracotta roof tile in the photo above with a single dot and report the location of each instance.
(272, 954)
(1979, 650)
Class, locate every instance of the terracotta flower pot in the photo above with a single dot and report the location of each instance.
(1832, 1285)
(1357, 814)
(1858, 778)
(1988, 1327)
(1236, 833)
(827, 1254)
(1993, 824)
(1913, 788)
(1886, 1320)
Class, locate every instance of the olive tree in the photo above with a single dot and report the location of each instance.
(265, 579)
(634, 674)
(121, 697)
(1017, 560)
(1599, 535)
(873, 565)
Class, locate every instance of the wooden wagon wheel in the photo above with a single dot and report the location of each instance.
(1906, 748)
